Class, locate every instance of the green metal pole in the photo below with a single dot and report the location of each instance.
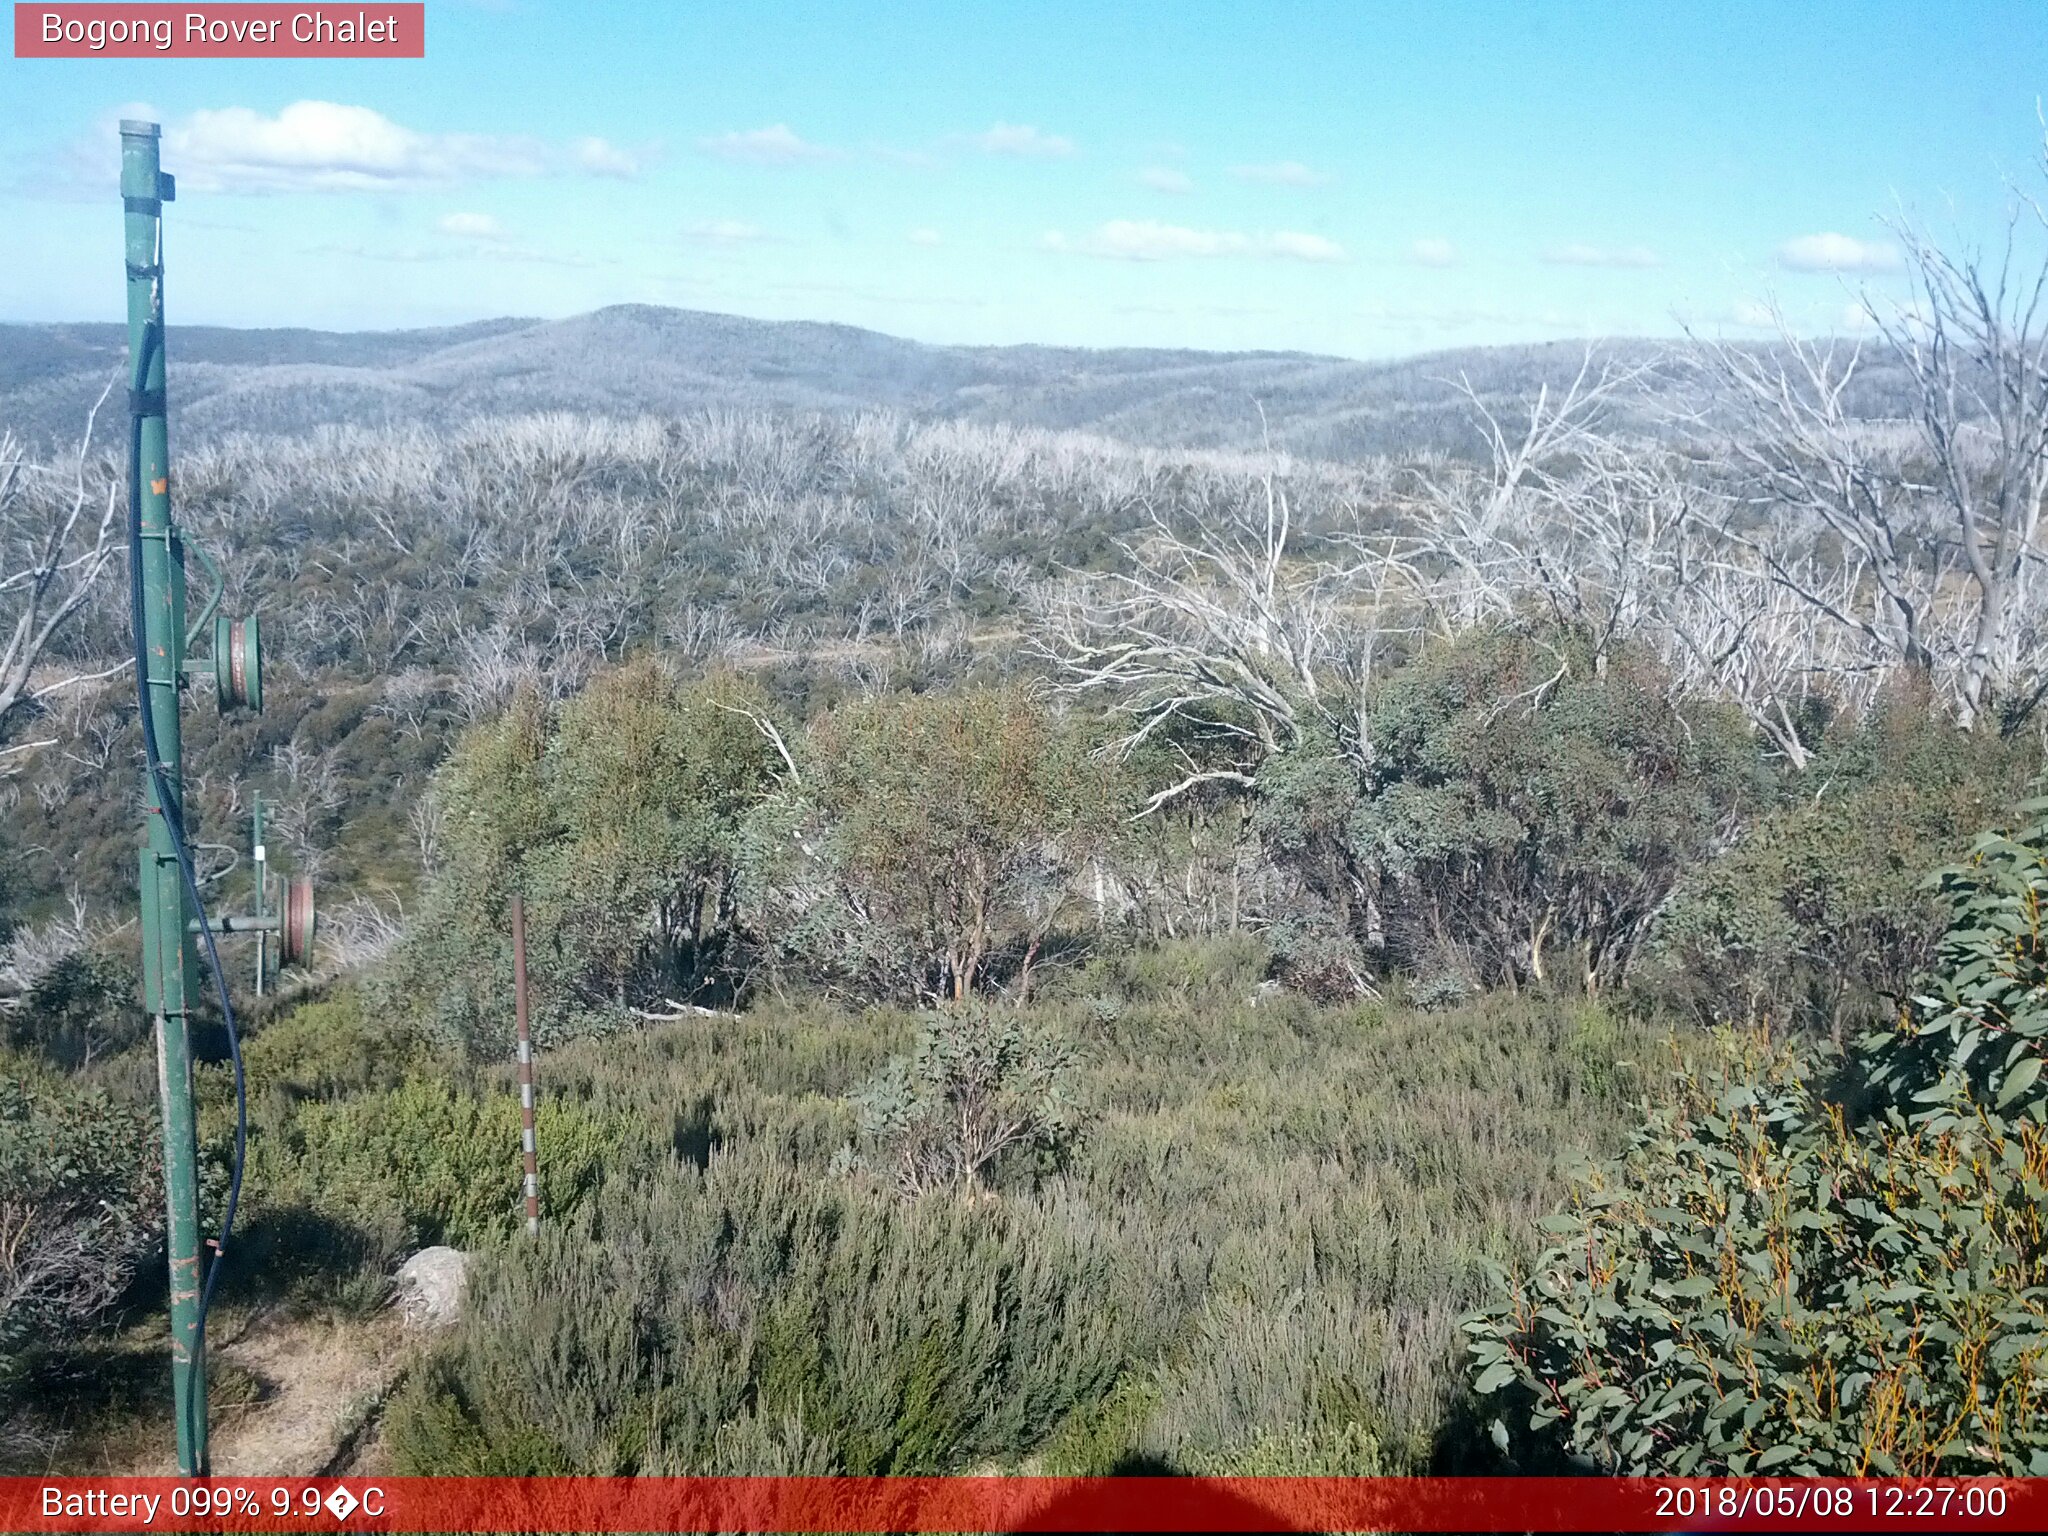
(166, 949)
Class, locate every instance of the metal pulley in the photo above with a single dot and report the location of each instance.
(238, 663)
(295, 924)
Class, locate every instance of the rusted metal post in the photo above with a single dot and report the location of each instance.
(528, 1147)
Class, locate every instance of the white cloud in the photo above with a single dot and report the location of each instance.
(1164, 178)
(472, 226)
(1150, 240)
(1433, 253)
(1283, 173)
(1303, 247)
(1023, 140)
(724, 231)
(90, 165)
(601, 157)
(923, 237)
(775, 145)
(323, 146)
(1837, 253)
(1633, 256)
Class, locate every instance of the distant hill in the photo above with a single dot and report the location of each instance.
(631, 359)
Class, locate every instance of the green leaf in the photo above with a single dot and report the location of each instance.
(1690, 1288)
(2019, 1080)
(1494, 1377)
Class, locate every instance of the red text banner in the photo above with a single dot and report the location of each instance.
(1019, 1504)
(114, 31)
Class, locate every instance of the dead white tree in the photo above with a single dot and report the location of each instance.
(1550, 511)
(494, 663)
(52, 551)
(428, 819)
(1630, 541)
(1975, 344)
(1728, 627)
(1808, 471)
(360, 932)
(33, 950)
(307, 793)
(1230, 629)
(1918, 538)
(409, 698)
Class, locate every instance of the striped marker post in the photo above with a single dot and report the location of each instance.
(528, 1147)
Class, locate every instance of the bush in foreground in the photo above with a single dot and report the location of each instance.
(980, 1086)
(81, 1202)
(1766, 1282)
(812, 1320)
(1256, 1259)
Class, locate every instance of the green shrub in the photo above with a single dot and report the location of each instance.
(1306, 817)
(294, 1238)
(1821, 913)
(1767, 1282)
(649, 781)
(455, 966)
(1530, 807)
(1978, 1034)
(931, 834)
(1098, 1438)
(435, 1429)
(619, 820)
(1200, 975)
(328, 1049)
(1761, 1285)
(741, 1308)
(1276, 1383)
(894, 1337)
(80, 1010)
(430, 1161)
(980, 1087)
(81, 1203)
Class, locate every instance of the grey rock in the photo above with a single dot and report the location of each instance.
(430, 1287)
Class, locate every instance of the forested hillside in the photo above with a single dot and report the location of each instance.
(1075, 950)
(635, 359)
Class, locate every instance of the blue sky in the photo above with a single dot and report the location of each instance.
(1363, 179)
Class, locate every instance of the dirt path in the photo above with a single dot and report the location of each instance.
(318, 1383)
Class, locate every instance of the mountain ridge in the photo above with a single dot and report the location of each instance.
(632, 359)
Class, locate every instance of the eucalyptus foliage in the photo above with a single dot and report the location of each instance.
(1821, 915)
(1532, 804)
(1766, 1282)
(932, 835)
(1978, 1035)
(618, 819)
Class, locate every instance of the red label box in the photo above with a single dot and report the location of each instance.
(372, 30)
(860, 1504)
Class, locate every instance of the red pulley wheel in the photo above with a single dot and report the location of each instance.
(238, 662)
(295, 937)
